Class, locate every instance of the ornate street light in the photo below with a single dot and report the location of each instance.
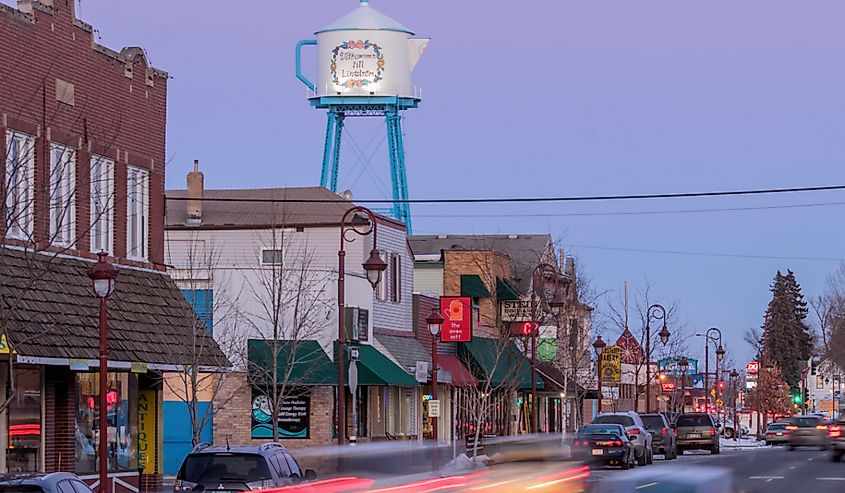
(350, 225)
(435, 322)
(599, 346)
(655, 311)
(103, 276)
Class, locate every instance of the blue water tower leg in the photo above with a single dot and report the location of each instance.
(338, 134)
(327, 150)
(396, 149)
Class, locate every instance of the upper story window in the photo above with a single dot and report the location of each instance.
(20, 169)
(62, 193)
(102, 203)
(271, 257)
(381, 287)
(395, 278)
(137, 213)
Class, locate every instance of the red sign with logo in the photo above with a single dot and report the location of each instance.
(752, 367)
(667, 387)
(457, 319)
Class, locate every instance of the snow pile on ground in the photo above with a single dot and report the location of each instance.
(729, 443)
(463, 463)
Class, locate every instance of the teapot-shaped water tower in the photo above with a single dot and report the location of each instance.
(364, 65)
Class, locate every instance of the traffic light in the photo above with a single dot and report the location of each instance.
(796, 398)
(721, 385)
(806, 394)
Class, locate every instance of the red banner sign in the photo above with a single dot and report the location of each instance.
(524, 329)
(667, 387)
(457, 319)
(752, 367)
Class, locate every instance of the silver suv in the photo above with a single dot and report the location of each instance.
(636, 431)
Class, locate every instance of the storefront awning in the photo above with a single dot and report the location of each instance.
(375, 368)
(308, 363)
(498, 361)
(506, 291)
(473, 286)
(461, 376)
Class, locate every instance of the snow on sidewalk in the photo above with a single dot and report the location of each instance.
(729, 443)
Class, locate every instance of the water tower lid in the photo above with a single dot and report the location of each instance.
(365, 18)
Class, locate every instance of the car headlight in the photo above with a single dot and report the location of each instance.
(260, 485)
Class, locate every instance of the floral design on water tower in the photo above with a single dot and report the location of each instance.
(357, 63)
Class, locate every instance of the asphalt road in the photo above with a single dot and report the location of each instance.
(766, 469)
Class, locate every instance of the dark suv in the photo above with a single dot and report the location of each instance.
(54, 482)
(234, 469)
(696, 431)
(663, 439)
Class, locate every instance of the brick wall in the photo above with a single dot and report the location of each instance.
(234, 420)
(59, 419)
(487, 265)
(118, 109)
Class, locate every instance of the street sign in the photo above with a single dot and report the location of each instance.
(433, 408)
(752, 367)
(516, 310)
(606, 402)
(668, 386)
(611, 364)
(353, 377)
(719, 402)
(712, 392)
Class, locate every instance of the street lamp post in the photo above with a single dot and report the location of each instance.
(103, 275)
(683, 364)
(555, 304)
(374, 266)
(734, 378)
(434, 321)
(720, 353)
(599, 346)
(657, 312)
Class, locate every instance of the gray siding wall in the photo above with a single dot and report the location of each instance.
(387, 314)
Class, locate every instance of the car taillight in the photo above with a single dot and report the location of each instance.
(821, 427)
(664, 431)
(712, 431)
(791, 427)
(834, 431)
(634, 431)
(617, 443)
(675, 430)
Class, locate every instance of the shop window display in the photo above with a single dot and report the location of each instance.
(23, 449)
(122, 415)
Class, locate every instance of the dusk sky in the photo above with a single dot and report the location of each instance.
(548, 98)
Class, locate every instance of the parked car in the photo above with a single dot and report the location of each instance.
(807, 431)
(233, 469)
(837, 440)
(607, 443)
(777, 434)
(697, 431)
(663, 439)
(636, 431)
(55, 482)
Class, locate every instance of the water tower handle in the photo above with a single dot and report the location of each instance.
(299, 74)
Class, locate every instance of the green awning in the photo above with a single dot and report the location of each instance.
(473, 286)
(375, 368)
(506, 291)
(498, 361)
(308, 363)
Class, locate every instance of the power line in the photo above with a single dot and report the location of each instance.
(706, 254)
(634, 213)
(494, 200)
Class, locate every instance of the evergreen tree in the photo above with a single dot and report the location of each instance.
(787, 337)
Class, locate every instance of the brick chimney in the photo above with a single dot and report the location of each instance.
(196, 186)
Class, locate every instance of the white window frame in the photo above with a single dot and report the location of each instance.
(102, 204)
(137, 213)
(62, 195)
(381, 287)
(19, 184)
(281, 258)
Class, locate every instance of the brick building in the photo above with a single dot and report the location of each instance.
(83, 144)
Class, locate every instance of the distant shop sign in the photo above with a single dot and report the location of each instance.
(516, 310)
